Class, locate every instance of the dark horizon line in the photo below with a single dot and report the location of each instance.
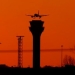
(58, 49)
(4, 65)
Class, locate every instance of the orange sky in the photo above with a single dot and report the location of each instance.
(59, 28)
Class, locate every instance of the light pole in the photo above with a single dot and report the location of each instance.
(61, 54)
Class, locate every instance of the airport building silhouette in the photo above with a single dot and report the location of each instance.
(36, 28)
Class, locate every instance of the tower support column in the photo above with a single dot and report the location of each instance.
(36, 51)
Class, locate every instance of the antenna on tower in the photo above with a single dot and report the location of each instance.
(20, 51)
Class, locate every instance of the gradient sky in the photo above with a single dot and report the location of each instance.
(59, 28)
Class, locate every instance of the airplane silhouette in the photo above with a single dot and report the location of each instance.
(37, 15)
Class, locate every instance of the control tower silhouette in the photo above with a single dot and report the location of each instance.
(36, 28)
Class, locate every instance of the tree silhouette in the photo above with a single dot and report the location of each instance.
(68, 60)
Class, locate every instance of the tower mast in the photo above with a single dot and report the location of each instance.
(20, 51)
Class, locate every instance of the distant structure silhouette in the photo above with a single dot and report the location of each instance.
(36, 29)
(20, 51)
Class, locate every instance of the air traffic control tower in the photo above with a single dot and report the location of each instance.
(36, 28)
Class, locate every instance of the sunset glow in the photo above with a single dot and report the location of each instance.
(59, 29)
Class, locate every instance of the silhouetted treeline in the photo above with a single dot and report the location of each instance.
(69, 66)
(46, 70)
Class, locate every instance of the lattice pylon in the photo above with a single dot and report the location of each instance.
(20, 51)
